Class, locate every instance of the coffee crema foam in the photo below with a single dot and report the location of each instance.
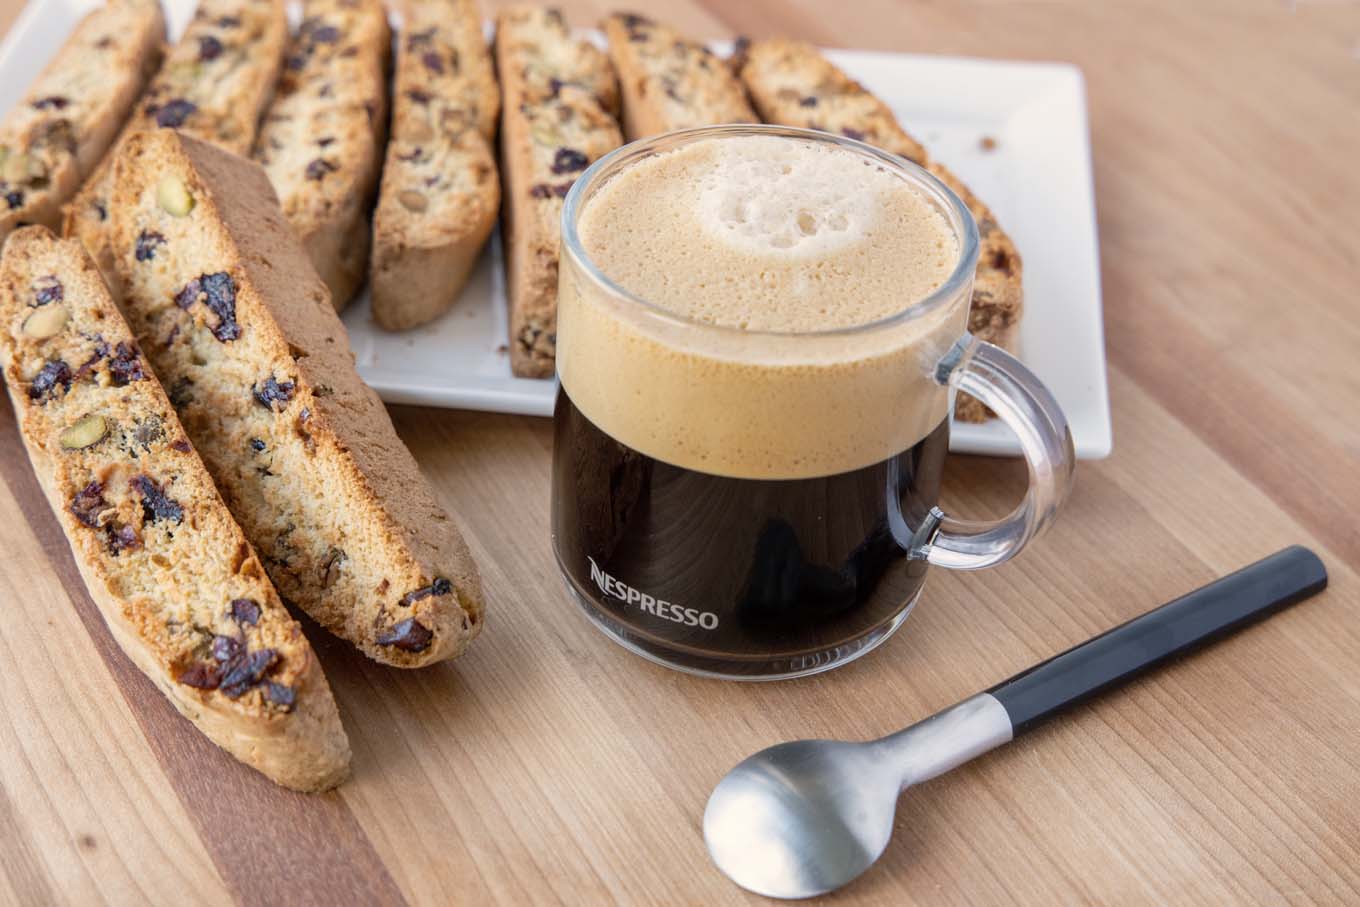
(740, 236)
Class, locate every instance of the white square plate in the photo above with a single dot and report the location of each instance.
(1035, 172)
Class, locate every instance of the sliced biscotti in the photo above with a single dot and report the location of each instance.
(559, 103)
(236, 322)
(793, 84)
(440, 190)
(178, 584)
(321, 140)
(670, 82)
(214, 84)
(52, 139)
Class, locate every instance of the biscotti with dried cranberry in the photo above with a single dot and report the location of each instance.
(793, 84)
(558, 111)
(235, 320)
(322, 137)
(670, 82)
(214, 84)
(55, 136)
(177, 583)
(440, 190)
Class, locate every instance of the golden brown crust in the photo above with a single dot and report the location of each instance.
(214, 84)
(303, 450)
(55, 136)
(440, 191)
(670, 82)
(172, 573)
(791, 83)
(560, 97)
(322, 137)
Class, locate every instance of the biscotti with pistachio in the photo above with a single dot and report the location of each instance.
(670, 82)
(235, 320)
(322, 137)
(793, 84)
(55, 136)
(560, 99)
(440, 190)
(177, 583)
(214, 84)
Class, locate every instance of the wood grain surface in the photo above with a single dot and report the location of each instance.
(549, 766)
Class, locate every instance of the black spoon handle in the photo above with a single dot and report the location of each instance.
(1178, 627)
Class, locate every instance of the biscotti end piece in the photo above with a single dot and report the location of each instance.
(177, 583)
(557, 117)
(53, 138)
(239, 326)
(668, 81)
(793, 84)
(440, 192)
(321, 140)
(214, 84)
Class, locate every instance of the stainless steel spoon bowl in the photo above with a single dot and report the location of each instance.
(803, 818)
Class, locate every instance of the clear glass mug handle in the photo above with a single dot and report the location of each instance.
(999, 380)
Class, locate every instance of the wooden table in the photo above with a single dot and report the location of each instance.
(549, 765)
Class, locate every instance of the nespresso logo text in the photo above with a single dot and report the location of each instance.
(649, 604)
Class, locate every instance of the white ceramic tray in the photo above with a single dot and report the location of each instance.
(1015, 132)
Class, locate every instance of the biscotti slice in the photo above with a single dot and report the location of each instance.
(670, 82)
(557, 115)
(214, 84)
(793, 84)
(236, 322)
(53, 138)
(440, 190)
(321, 140)
(178, 584)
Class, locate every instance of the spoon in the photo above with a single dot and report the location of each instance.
(803, 818)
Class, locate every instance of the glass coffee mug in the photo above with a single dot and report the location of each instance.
(758, 504)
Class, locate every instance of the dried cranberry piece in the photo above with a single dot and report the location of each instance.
(569, 160)
(440, 586)
(102, 211)
(245, 611)
(121, 538)
(318, 169)
(53, 102)
(410, 636)
(156, 504)
(809, 101)
(420, 97)
(324, 141)
(280, 694)
(181, 445)
(245, 671)
(413, 155)
(272, 391)
(296, 62)
(173, 114)
(256, 445)
(417, 38)
(201, 675)
(326, 34)
(88, 504)
(229, 22)
(126, 365)
(97, 355)
(147, 241)
(555, 86)
(225, 648)
(219, 292)
(48, 289)
(209, 48)
(54, 372)
(432, 62)
(855, 134)
(15, 199)
(633, 20)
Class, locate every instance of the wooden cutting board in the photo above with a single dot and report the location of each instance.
(549, 766)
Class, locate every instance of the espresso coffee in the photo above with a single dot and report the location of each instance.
(749, 434)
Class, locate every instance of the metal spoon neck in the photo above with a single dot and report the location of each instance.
(947, 739)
